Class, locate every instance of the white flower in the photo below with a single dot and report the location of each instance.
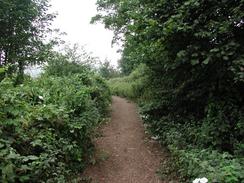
(196, 181)
(155, 137)
(204, 180)
(200, 180)
(40, 97)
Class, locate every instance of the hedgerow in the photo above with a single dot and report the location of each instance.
(47, 124)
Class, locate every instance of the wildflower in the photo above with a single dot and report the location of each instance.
(196, 181)
(155, 137)
(200, 180)
(40, 97)
(204, 180)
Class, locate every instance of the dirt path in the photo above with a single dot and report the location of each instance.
(129, 157)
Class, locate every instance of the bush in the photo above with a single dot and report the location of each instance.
(131, 86)
(46, 126)
(193, 146)
(217, 167)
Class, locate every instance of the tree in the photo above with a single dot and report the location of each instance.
(107, 71)
(72, 59)
(24, 24)
(195, 51)
(78, 54)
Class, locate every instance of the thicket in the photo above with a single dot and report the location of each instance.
(47, 125)
(193, 96)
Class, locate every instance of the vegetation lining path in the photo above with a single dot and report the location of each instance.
(131, 157)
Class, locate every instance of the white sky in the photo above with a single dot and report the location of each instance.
(74, 18)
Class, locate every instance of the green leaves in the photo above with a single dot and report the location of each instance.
(2, 70)
(193, 92)
(46, 126)
(194, 62)
(8, 174)
(23, 26)
(206, 61)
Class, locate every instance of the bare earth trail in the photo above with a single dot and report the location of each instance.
(131, 156)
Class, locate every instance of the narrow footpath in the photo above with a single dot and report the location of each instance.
(128, 155)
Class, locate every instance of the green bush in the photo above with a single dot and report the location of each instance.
(61, 65)
(217, 167)
(193, 146)
(131, 86)
(46, 126)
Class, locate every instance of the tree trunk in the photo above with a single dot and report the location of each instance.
(20, 76)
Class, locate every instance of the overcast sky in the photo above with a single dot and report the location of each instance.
(74, 18)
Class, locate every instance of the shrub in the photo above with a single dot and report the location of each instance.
(131, 86)
(193, 147)
(46, 126)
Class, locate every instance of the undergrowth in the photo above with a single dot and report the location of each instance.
(47, 124)
(209, 147)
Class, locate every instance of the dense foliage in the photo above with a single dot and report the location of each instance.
(47, 124)
(24, 24)
(193, 95)
(131, 86)
(107, 71)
